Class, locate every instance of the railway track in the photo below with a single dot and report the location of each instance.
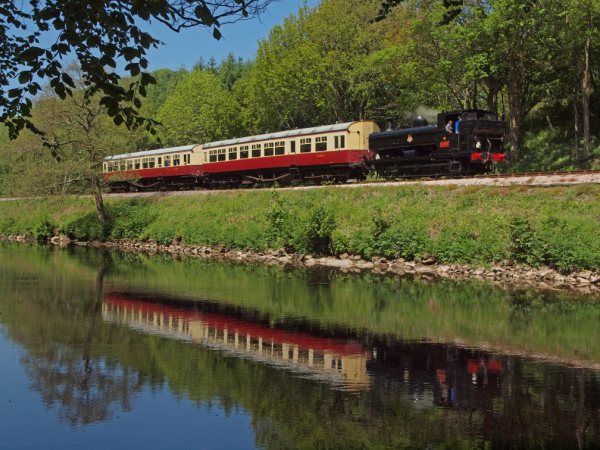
(555, 178)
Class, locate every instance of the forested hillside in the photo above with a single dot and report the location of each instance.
(535, 62)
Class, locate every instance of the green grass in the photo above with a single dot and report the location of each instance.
(558, 226)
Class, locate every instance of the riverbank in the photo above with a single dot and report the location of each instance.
(547, 236)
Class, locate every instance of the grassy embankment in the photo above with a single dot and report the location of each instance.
(558, 227)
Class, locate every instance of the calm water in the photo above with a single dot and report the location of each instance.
(103, 350)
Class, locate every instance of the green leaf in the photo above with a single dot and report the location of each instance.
(25, 77)
(32, 53)
(203, 13)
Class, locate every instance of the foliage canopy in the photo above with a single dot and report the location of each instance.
(100, 35)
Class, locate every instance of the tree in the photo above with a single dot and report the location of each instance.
(453, 9)
(80, 134)
(231, 70)
(199, 110)
(311, 72)
(584, 16)
(99, 34)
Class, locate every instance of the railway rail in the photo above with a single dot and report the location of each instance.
(547, 179)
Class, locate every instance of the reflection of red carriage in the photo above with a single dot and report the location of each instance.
(222, 322)
(339, 361)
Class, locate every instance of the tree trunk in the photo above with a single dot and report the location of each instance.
(515, 108)
(585, 88)
(577, 125)
(492, 94)
(99, 200)
(515, 135)
(577, 72)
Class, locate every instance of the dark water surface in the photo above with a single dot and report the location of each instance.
(107, 350)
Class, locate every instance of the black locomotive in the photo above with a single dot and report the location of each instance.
(462, 142)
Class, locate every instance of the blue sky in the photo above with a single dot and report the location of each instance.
(186, 48)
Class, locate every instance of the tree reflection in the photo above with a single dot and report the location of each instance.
(85, 390)
(59, 323)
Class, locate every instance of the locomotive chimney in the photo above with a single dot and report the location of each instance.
(389, 123)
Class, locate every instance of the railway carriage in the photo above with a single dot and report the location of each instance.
(331, 152)
(154, 169)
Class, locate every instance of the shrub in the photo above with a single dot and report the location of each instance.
(87, 228)
(525, 245)
(401, 242)
(317, 232)
(129, 219)
(44, 230)
(280, 224)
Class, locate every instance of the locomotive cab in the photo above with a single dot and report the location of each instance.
(478, 134)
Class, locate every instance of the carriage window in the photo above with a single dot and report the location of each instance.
(136, 164)
(292, 146)
(167, 161)
(243, 152)
(321, 144)
(176, 160)
(233, 153)
(122, 165)
(256, 152)
(340, 141)
(280, 148)
(213, 156)
(269, 148)
(305, 145)
(151, 163)
(145, 163)
(129, 165)
(104, 167)
(221, 156)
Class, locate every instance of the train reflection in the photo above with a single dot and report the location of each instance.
(342, 363)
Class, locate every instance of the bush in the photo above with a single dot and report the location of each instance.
(318, 230)
(129, 219)
(87, 228)
(525, 245)
(280, 224)
(44, 230)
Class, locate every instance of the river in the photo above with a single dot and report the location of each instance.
(114, 350)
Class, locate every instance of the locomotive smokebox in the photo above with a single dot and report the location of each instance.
(419, 121)
(389, 123)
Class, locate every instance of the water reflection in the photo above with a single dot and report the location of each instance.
(341, 363)
(348, 362)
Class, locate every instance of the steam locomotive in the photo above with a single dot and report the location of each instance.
(462, 142)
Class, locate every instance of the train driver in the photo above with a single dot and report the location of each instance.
(457, 125)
